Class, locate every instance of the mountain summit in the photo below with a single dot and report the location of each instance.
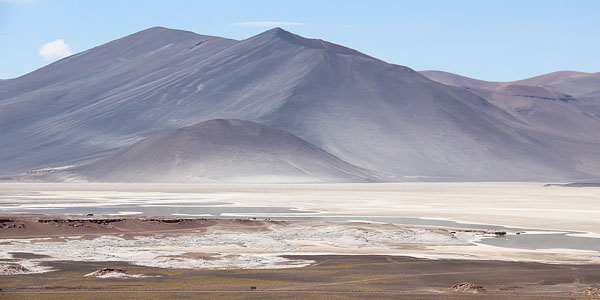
(287, 36)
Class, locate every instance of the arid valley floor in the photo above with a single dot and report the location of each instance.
(327, 241)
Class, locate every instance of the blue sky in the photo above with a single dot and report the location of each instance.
(491, 40)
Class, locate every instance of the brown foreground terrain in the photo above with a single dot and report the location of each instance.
(26, 226)
(331, 277)
(327, 276)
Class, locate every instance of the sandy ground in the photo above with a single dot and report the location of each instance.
(227, 244)
(330, 277)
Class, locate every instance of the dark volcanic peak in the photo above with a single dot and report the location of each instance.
(114, 55)
(151, 39)
(281, 34)
(160, 32)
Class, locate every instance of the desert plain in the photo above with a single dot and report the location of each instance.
(308, 241)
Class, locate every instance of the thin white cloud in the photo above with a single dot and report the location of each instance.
(267, 24)
(55, 50)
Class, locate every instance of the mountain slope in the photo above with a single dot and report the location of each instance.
(223, 151)
(378, 116)
(561, 107)
(582, 90)
(457, 80)
(91, 103)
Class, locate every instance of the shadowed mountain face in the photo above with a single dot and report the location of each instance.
(223, 151)
(377, 116)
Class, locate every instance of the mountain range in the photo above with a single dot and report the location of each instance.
(165, 105)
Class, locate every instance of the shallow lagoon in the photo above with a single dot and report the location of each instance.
(526, 239)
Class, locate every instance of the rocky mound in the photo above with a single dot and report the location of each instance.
(12, 269)
(224, 151)
(591, 291)
(108, 272)
(468, 287)
(114, 273)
